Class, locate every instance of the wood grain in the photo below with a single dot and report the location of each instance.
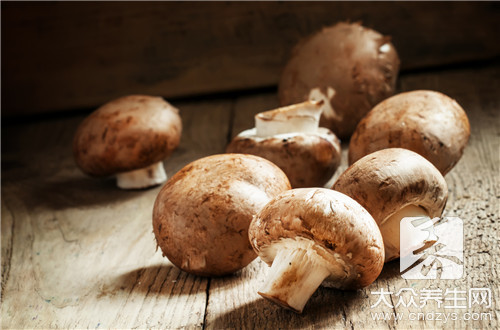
(58, 56)
(79, 253)
(474, 197)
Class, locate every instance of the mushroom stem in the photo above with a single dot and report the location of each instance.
(143, 177)
(317, 95)
(294, 276)
(390, 230)
(302, 117)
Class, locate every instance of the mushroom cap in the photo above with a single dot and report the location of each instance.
(344, 233)
(387, 180)
(427, 122)
(308, 159)
(127, 134)
(353, 65)
(201, 215)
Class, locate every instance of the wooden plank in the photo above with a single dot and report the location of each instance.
(78, 252)
(57, 56)
(474, 186)
(474, 197)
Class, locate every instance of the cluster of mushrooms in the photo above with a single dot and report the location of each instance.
(266, 197)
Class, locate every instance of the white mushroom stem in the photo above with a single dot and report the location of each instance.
(294, 276)
(390, 230)
(302, 117)
(317, 95)
(142, 178)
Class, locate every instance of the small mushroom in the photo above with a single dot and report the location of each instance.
(290, 138)
(201, 215)
(311, 235)
(350, 67)
(128, 137)
(427, 122)
(392, 184)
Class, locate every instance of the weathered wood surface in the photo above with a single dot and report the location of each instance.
(79, 253)
(177, 48)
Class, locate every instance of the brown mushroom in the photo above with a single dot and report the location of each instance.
(427, 122)
(350, 67)
(392, 184)
(311, 235)
(201, 215)
(290, 138)
(128, 137)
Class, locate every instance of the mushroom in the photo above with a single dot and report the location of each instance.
(427, 122)
(350, 67)
(311, 235)
(392, 184)
(290, 138)
(128, 137)
(201, 215)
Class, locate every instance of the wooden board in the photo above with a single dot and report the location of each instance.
(77, 252)
(58, 56)
(474, 186)
(80, 253)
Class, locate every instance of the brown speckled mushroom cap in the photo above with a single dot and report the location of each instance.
(427, 122)
(385, 181)
(340, 230)
(201, 215)
(308, 159)
(126, 134)
(352, 66)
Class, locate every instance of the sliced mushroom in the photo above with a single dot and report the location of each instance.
(350, 67)
(427, 122)
(310, 235)
(201, 215)
(128, 137)
(290, 138)
(392, 184)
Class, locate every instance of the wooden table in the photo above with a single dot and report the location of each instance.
(79, 253)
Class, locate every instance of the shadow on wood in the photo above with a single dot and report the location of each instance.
(390, 271)
(64, 192)
(325, 304)
(163, 279)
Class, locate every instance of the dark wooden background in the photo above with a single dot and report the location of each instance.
(62, 56)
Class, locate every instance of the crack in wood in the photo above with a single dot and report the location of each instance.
(207, 297)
